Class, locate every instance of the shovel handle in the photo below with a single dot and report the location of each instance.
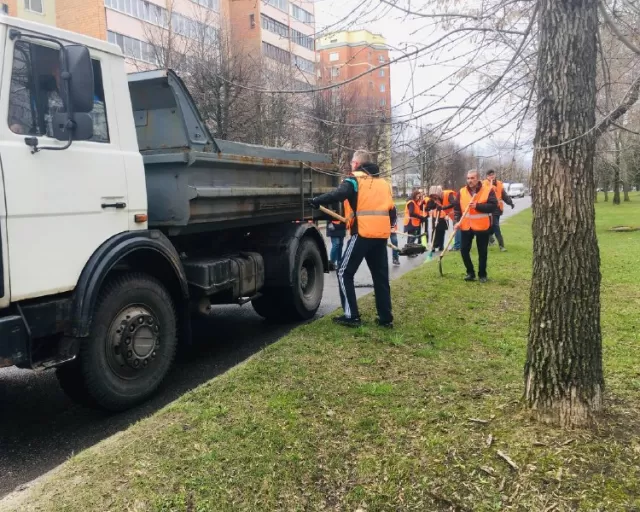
(333, 214)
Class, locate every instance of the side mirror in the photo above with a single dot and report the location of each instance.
(80, 127)
(76, 61)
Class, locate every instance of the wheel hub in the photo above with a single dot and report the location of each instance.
(136, 338)
(304, 278)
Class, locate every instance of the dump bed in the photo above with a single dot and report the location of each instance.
(198, 183)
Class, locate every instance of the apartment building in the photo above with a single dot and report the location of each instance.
(363, 56)
(348, 54)
(41, 11)
(282, 31)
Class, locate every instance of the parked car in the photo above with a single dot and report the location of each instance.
(516, 190)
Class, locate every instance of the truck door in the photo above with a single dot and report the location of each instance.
(60, 205)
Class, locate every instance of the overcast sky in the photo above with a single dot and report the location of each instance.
(413, 76)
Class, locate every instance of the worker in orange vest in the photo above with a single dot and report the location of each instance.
(482, 202)
(440, 207)
(414, 217)
(503, 197)
(372, 213)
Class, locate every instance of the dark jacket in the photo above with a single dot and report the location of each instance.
(488, 207)
(348, 191)
(337, 230)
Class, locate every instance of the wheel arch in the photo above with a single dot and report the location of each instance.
(146, 251)
(279, 246)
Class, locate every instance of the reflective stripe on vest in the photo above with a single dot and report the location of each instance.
(373, 207)
(475, 220)
(407, 217)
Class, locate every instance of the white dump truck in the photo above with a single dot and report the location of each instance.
(120, 215)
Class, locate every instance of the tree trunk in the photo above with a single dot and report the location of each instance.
(563, 373)
(616, 171)
(606, 193)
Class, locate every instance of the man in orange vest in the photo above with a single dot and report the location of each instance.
(372, 213)
(503, 197)
(482, 202)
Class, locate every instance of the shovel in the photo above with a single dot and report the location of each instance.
(407, 250)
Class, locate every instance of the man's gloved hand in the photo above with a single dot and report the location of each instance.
(313, 203)
(513, 206)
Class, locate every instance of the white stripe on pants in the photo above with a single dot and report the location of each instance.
(345, 262)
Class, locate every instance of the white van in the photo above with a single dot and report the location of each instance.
(516, 190)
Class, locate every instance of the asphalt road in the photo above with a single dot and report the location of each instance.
(40, 427)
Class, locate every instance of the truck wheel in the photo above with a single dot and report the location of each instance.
(302, 300)
(132, 342)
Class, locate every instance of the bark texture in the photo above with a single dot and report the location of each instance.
(563, 373)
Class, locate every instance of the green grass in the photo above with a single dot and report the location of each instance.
(373, 420)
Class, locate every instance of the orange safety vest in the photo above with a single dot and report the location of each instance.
(498, 187)
(475, 220)
(372, 209)
(407, 218)
(445, 202)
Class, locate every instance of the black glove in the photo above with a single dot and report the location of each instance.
(513, 206)
(313, 203)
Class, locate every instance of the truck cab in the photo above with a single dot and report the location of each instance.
(89, 283)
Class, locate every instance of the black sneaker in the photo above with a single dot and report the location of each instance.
(470, 277)
(396, 262)
(483, 279)
(332, 266)
(388, 325)
(347, 322)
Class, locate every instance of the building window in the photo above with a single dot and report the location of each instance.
(283, 5)
(34, 6)
(381, 59)
(151, 13)
(381, 71)
(383, 102)
(302, 39)
(274, 26)
(370, 84)
(211, 4)
(134, 48)
(252, 20)
(301, 15)
(34, 96)
(334, 57)
(303, 64)
(335, 71)
(382, 88)
(275, 53)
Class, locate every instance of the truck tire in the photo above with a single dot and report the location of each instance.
(302, 300)
(131, 345)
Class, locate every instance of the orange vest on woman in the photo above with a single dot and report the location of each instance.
(475, 220)
(445, 202)
(407, 218)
